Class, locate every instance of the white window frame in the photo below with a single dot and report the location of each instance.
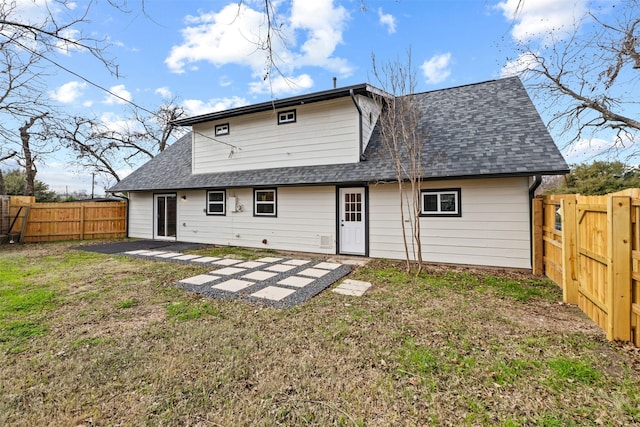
(222, 129)
(285, 117)
(223, 202)
(439, 193)
(257, 202)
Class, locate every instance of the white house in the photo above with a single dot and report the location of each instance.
(310, 173)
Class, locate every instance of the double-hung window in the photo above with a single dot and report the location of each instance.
(445, 202)
(216, 202)
(264, 202)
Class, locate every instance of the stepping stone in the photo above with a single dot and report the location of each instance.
(296, 262)
(327, 265)
(227, 271)
(155, 253)
(138, 252)
(169, 255)
(273, 293)
(259, 275)
(296, 281)
(187, 257)
(250, 264)
(227, 261)
(352, 287)
(313, 272)
(233, 285)
(199, 280)
(280, 268)
(269, 259)
(206, 259)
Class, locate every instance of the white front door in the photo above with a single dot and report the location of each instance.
(352, 221)
(165, 211)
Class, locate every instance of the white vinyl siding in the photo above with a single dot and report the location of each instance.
(141, 215)
(492, 231)
(323, 133)
(370, 114)
(291, 230)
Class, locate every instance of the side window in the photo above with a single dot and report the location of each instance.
(216, 202)
(264, 202)
(440, 202)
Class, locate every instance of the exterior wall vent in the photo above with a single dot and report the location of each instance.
(326, 241)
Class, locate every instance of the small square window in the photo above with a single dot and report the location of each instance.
(264, 202)
(286, 117)
(441, 202)
(222, 129)
(216, 202)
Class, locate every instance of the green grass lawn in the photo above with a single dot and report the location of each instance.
(91, 339)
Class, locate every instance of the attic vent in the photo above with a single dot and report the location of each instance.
(326, 241)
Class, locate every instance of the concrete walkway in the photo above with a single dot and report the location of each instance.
(274, 281)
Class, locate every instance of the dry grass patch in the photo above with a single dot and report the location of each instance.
(117, 344)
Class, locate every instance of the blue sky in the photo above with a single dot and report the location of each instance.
(202, 53)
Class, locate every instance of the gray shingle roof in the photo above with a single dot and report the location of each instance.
(486, 129)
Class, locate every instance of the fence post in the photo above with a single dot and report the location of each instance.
(82, 222)
(537, 266)
(619, 268)
(570, 282)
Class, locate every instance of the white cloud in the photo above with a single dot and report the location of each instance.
(68, 92)
(539, 19)
(282, 85)
(164, 92)
(123, 95)
(590, 149)
(436, 69)
(235, 33)
(113, 122)
(388, 20)
(195, 107)
(524, 62)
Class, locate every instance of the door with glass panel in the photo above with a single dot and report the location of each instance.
(352, 218)
(165, 212)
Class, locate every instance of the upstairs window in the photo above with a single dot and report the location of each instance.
(286, 117)
(264, 202)
(216, 202)
(222, 129)
(440, 202)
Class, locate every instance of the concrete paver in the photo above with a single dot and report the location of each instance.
(352, 287)
(228, 271)
(274, 293)
(313, 272)
(259, 275)
(250, 264)
(233, 285)
(227, 261)
(200, 279)
(280, 268)
(296, 281)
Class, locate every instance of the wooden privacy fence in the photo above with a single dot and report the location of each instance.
(44, 222)
(590, 247)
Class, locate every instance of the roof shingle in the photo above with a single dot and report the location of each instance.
(486, 129)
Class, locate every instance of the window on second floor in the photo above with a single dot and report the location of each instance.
(286, 117)
(222, 129)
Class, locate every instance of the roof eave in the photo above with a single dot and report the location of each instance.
(359, 89)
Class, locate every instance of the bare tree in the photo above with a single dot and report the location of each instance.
(106, 149)
(588, 82)
(403, 138)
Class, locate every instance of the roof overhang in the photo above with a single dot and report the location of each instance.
(359, 89)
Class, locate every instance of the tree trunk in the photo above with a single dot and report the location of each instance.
(29, 163)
